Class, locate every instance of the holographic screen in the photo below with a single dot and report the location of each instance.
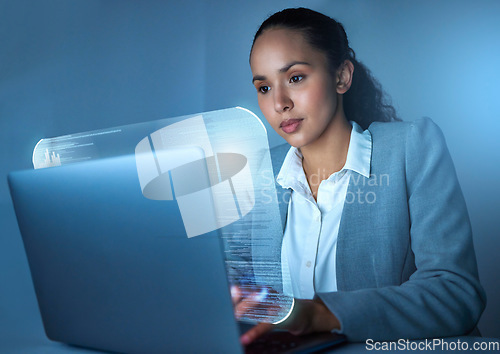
(217, 167)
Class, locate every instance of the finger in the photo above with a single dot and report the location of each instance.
(255, 332)
(235, 294)
(244, 307)
(249, 302)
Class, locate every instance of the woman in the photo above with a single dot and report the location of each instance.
(377, 237)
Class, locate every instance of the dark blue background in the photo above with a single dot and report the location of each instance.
(74, 66)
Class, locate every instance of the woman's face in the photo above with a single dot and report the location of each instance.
(296, 90)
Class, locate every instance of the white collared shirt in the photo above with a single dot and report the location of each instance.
(310, 237)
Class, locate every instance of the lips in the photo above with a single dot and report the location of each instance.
(290, 125)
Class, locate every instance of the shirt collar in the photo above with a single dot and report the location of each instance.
(358, 159)
(291, 172)
(359, 154)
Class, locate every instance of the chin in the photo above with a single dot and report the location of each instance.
(296, 143)
(297, 139)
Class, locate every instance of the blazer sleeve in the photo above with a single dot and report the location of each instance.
(443, 297)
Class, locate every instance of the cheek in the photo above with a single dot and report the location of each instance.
(322, 95)
(322, 101)
(267, 109)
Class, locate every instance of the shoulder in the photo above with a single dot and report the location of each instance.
(399, 135)
(406, 149)
(420, 126)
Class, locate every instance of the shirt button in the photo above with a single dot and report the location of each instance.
(308, 264)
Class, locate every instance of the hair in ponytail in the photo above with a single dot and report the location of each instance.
(365, 102)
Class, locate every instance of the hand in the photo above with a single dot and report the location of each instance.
(259, 304)
(307, 316)
(244, 300)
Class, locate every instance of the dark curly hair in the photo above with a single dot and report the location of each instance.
(365, 102)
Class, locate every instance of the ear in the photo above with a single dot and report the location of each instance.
(344, 77)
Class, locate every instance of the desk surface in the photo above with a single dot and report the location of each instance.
(441, 345)
(451, 344)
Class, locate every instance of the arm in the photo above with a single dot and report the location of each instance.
(443, 296)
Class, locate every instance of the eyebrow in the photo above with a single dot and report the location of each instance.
(282, 70)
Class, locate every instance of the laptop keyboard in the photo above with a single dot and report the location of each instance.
(275, 343)
(285, 342)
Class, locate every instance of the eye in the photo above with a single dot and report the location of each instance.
(263, 89)
(296, 78)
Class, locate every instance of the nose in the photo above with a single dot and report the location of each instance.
(282, 100)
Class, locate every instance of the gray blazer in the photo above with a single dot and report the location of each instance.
(406, 266)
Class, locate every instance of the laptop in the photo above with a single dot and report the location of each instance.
(115, 271)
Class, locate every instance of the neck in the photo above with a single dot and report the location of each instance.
(328, 153)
